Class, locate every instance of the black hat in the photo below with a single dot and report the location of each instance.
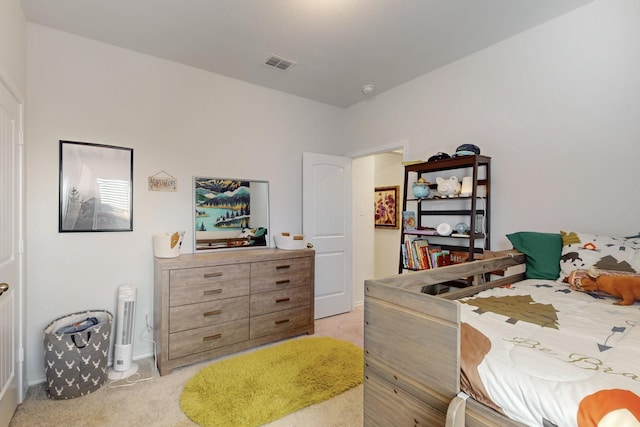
(466, 150)
(439, 156)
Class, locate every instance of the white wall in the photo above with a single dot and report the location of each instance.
(178, 119)
(375, 251)
(556, 107)
(362, 170)
(13, 45)
(388, 171)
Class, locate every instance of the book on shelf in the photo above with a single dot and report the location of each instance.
(415, 259)
(444, 259)
(407, 261)
(458, 257)
(424, 252)
(409, 220)
(403, 249)
(418, 254)
(423, 231)
(440, 257)
(415, 254)
(420, 247)
(433, 255)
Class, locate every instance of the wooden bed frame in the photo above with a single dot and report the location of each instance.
(412, 345)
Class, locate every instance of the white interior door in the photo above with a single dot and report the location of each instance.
(10, 235)
(326, 222)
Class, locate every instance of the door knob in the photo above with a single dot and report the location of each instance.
(3, 288)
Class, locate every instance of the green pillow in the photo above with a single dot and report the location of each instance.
(542, 251)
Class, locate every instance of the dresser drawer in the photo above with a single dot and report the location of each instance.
(280, 281)
(193, 316)
(215, 274)
(269, 302)
(207, 292)
(202, 339)
(270, 268)
(273, 323)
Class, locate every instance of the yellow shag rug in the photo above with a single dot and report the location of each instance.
(259, 387)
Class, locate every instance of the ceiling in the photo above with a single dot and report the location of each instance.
(337, 45)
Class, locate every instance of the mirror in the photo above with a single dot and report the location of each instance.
(230, 213)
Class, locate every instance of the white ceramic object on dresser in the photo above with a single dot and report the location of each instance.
(290, 241)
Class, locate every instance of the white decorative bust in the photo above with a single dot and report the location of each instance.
(448, 187)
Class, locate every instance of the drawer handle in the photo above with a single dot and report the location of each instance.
(282, 267)
(282, 282)
(211, 337)
(280, 322)
(282, 300)
(210, 275)
(213, 292)
(212, 313)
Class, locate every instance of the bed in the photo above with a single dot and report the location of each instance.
(517, 349)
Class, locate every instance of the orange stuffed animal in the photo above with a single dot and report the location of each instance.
(626, 287)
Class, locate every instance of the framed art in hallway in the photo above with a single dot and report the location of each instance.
(96, 188)
(386, 207)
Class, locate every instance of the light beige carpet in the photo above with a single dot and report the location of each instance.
(156, 402)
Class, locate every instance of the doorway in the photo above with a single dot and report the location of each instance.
(375, 251)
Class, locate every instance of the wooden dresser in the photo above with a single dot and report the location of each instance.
(210, 304)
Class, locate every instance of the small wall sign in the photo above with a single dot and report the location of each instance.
(163, 181)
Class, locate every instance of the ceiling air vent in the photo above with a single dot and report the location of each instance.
(279, 62)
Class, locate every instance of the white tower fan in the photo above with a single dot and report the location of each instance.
(123, 365)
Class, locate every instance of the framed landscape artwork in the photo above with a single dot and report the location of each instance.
(96, 188)
(386, 207)
(230, 213)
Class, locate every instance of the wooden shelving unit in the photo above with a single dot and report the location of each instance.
(473, 210)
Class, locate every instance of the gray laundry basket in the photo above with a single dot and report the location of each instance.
(76, 362)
